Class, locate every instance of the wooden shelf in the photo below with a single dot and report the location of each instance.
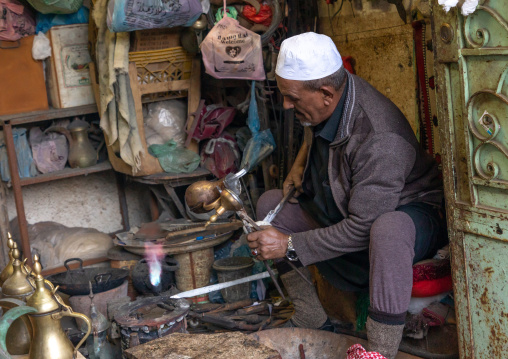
(51, 114)
(66, 173)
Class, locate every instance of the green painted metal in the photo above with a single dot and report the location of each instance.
(471, 64)
(5, 322)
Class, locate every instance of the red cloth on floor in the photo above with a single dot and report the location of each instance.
(431, 269)
(428, 288)
(358, 352)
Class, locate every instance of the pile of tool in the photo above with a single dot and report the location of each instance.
(244, 315)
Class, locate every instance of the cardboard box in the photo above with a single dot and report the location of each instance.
(22, 86)
(68, 76)
(155, 39)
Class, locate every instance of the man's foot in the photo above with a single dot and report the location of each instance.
(327, 325)
(309, 312)
(384, 338)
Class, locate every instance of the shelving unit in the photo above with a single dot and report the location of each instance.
(7, 122)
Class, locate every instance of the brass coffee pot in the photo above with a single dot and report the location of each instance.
(17, 286)
(7, 271)
(15, 290)
(81, 152)
(49, 340)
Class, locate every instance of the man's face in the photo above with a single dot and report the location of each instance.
(309, 106)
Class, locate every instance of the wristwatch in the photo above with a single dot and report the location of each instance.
(291, 253)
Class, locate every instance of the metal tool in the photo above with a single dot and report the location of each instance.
(273, 213)
(214, 287)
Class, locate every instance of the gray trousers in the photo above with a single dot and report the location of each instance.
(397, 240)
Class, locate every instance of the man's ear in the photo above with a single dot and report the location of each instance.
(328, 94)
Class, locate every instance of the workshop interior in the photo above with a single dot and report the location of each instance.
(172, 172)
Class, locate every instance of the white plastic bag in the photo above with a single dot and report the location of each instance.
(41, 49)
(166, 121)
(230, 51)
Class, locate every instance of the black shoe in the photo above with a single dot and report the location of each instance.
(328, 326)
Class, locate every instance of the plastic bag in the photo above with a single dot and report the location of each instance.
(26, 165)
(130, 15)
(50, 150)
(41, 49)
(230, 51)
(16, 20)
(211, 121)
(264, 17)
(54, 243)
(165, 121)
(220, 155)
(47, 21)
(174, 159)
(56, 6)
(262, 143)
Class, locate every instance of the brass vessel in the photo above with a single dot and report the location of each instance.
(203, 196)
(49, 340)
(17, 285)
(19, 334)
(229, 201)
(17, 288)
(7, 271)
(81, 152)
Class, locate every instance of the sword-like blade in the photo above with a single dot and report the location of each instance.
(219, 286)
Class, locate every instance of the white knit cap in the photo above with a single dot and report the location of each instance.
(307, 56)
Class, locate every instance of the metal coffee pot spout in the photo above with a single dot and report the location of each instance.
(81, 152)
(49, 340)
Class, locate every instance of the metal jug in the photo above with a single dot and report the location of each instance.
(49, 340)
(81, 152)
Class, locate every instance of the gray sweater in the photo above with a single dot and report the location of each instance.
(375, 165)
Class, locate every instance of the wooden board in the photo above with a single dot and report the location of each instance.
(203, 346)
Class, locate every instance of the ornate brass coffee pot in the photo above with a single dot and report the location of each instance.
(50, 341)
(17, 286)
(7, 271)
(15, 291)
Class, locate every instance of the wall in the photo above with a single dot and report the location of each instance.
(87, 201)
(381, 45)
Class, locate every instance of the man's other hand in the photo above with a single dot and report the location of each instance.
(294, 178)
(269, 243)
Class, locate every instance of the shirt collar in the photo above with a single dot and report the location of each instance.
(328, 129)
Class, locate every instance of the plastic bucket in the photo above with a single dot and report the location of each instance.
(232, 268)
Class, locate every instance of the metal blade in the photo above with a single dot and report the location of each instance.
(214, 287)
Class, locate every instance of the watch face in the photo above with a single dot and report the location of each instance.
(291, 255)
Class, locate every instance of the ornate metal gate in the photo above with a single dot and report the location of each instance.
(471, 62)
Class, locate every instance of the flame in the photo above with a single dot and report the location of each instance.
(153, 256)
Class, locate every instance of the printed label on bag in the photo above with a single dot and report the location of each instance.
(234, 51)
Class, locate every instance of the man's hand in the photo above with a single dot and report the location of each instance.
(294, 179)
(295, 175)
(269, 243)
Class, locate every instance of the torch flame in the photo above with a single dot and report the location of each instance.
(153, 256)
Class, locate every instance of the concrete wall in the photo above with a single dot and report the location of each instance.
(381, 44)
(86, 201)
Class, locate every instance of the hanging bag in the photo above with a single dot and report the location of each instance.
(230, 51)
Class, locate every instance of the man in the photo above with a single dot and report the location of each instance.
(368, 195)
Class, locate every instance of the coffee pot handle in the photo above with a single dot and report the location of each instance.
(70, 313)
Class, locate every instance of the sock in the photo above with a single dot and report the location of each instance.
(309, 312)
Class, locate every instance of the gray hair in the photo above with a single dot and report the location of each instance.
(334, 80)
